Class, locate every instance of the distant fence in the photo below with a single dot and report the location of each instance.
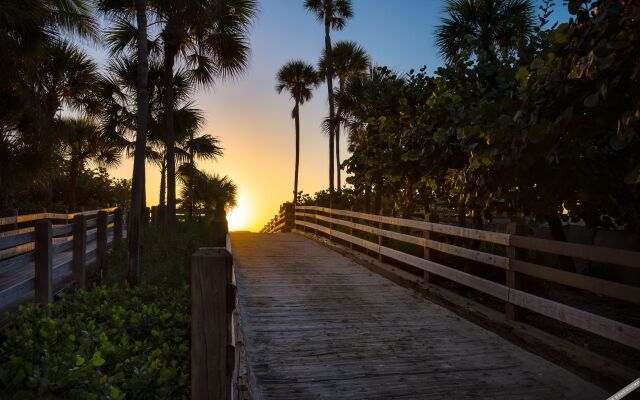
(41, 258)
(372, 233)
(281, 222)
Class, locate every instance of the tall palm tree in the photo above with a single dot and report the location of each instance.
(333, 14)
(134, 232)
(211, 38)
(83, 141)
(491, 24)
(349, 59)
(298, 79)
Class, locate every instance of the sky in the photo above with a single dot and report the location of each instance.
(254, 122)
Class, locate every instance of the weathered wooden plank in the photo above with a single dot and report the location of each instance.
(616, 331)
(211, 276)
(579, 281)
(472, 281)
(609, 255)
(503, 292)
(44, 263)
(15, 292)
(486, 236)
(316, 325)
(62, 246)
(486, 258)
(16, 240)
(79, 258)
(16, 262)
(62, 229)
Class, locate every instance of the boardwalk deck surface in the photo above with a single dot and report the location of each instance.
(318, 325)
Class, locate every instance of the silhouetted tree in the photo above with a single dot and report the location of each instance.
(298, 79)
(333, 14)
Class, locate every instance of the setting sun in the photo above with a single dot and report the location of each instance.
(240, 216)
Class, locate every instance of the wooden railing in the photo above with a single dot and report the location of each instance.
(375, 231)
(37, 260)
(214, 321)
(281, 222)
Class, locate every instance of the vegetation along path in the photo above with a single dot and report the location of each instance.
(318, 325)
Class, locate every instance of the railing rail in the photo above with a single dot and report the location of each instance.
(376, 230)
(43, 242)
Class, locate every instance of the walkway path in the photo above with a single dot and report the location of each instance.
(318, 325)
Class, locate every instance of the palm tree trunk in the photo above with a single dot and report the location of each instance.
(169, 56)
(332, 117)
(367, 198)
(137, 187)
(163, 184)
(338, 167)
(74, 168)
(295, 180)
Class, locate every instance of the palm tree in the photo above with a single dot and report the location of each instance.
(490, 24)
(191, 147)
(208, 192)
(298, 79)
(83, 141)
(334, 15)
(121, 10)
(349, 59)
(211, 37)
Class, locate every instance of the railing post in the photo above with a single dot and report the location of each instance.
(154, 215)
(15, 225)
(79, 262)
(117, 226)
(380, 238)
(289, 222)
(428, 253)
(514, 279)
(145, 216)
(43, 262)
(351, 229)
(212, 305)
(101, 240)
(315, 212)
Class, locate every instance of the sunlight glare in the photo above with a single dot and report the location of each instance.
(240, 217)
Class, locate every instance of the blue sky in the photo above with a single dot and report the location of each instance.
(254, 122)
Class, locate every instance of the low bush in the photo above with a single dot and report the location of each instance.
(107, 343)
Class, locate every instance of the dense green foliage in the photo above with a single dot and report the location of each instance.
(107, 343)
(541, 125)
(111, 341)
(95, 189)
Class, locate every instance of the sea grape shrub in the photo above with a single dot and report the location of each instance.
(108, 343)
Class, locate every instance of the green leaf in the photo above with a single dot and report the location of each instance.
(593, 100)
(574, 6)
(633, 177)
(617, 143)
(537, 132)
(522, 76)
(79, 361)
(97, 359)
(561, 34)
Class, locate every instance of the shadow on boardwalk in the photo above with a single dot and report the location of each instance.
(318, 325)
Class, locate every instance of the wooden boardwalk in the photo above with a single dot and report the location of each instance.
(318, 325)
